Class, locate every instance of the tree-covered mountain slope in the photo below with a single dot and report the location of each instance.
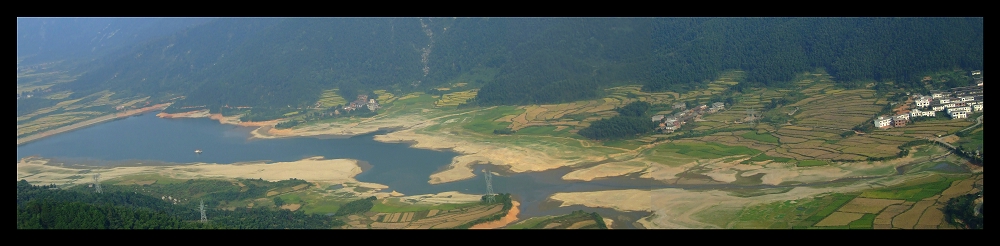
(277, 63)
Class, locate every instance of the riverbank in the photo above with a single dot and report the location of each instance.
(91, 122)
(232, 120)
(315, 170)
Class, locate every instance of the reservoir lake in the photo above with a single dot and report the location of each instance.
(404, 169)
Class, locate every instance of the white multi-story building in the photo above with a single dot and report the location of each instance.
(883, 122)
(938, 108)
(977, 107)
(937, 95)
(923, 102)
(917, 113)
(959, 115)
(968, 99)
(960, 109)
(944, 100)
(902, 117)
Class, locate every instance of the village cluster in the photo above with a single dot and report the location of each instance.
(669, 124)
(956, 103)
(362, 101)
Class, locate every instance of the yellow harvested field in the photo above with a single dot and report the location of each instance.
(391, 226)
(582, 224)
(456, 98)
(552, 225)
(533, 112)
(868, 205)
(839, 219)
(385, 97)
(410, 96)
(292, 207)
(957, 189)
(932, 217)
(453, 218)
(814, 153)
(909, 219)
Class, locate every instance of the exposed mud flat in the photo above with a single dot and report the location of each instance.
(316, 169)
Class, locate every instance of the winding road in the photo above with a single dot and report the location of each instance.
(979, 121)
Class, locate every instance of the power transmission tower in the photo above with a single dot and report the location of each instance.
(97, 183)
(489, 187)
(204, 219)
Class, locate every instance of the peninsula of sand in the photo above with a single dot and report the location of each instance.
(233, 120)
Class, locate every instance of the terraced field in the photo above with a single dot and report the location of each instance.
(331, 98)
(456, 98)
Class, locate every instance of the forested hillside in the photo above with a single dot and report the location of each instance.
(45, 207)
(50, 39)
(277, 63)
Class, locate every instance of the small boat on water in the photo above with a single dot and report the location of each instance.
(197, 151)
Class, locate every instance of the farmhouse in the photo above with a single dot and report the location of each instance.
(937, 95)
(658, 118)
(958, 115)
(923, 102)
(883, 122)
(901, 117)
(965, 109)
(680, 105)
(719, 106)
(918, 113)
(977, 72)
(977, 107)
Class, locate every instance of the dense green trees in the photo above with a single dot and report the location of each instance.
(49, 208)
(632, 121)
(275, 64)
(505, 131)
(961, 211)
(357, 207)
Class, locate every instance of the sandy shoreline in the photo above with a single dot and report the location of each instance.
(316, 169)
(90, 122)
(232, 120)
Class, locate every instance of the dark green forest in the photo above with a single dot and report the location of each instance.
(275, 64)
(46, 207)
(630, 122)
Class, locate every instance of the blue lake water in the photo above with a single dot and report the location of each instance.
(404, 169)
